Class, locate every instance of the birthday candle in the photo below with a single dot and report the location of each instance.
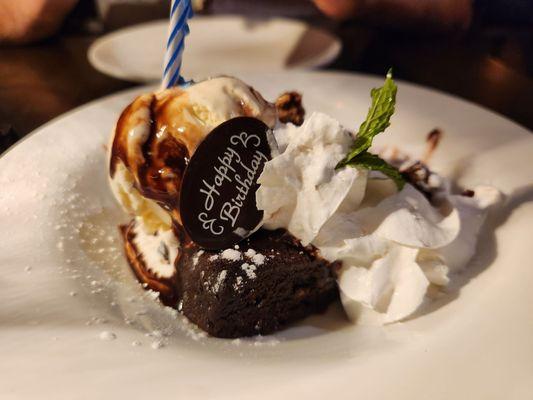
(180, 12)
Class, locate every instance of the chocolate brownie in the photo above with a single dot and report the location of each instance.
(270, 281)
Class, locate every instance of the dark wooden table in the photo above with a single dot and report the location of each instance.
(491, 68)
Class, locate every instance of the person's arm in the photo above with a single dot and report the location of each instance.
(434, 14)
(25, 21)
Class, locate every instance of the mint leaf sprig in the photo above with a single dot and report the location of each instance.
(377, 120)
(373, 162)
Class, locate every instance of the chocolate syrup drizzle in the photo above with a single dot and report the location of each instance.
(158, 168)
(164, 158)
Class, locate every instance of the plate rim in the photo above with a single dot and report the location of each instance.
(108, 69)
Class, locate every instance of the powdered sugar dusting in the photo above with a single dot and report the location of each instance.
(231, 255)
(221, 277)
(255, 257)
(238, 283)
(107, 335)
(158, 344)
(197, 257)
(258, 259)
(249, 269)
(250, 253)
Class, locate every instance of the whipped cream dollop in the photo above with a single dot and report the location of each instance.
(300, 188)
(392, 244)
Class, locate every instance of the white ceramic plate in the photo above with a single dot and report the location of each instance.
(216, 45)
(64, 281)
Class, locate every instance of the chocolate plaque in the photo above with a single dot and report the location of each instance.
(217, 202)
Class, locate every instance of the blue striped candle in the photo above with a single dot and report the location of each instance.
(180, 12)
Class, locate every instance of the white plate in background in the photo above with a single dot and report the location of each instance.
(216, 45)
(64, 280)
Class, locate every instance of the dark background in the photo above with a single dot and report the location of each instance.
(491, 64)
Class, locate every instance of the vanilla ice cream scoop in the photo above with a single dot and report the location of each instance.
(158, 133)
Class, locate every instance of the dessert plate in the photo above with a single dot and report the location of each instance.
(217, 45)
(74, 324)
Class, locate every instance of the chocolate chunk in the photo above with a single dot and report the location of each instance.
(432, 141)
(417, 174)
(290, 109)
